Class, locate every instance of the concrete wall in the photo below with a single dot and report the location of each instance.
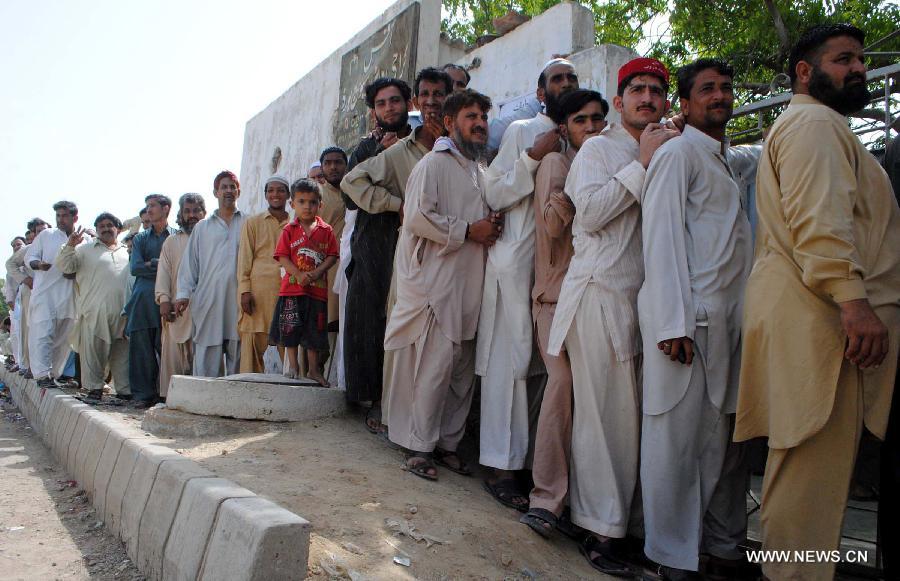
(510, 65)
(300, 120)
(506, 69)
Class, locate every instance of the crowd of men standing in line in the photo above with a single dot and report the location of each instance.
(597, 280)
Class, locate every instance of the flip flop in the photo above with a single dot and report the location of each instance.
(440, 458)
(503, 491)
(420, 470)
(371, 416)
(537, 519)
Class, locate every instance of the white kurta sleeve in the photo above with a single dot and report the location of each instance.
(36, 249)
(598, 196)
(510, 176)
(667, 283)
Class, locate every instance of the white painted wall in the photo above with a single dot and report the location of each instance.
(300, 121)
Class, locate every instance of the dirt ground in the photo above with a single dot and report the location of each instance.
(48, 529)
(348, 484)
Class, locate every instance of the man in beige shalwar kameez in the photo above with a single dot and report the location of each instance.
(176, 351)
(259, 276)
(439, 266)
(822, 318)
(101, 268)
(379, 183)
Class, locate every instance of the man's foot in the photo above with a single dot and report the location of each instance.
(719, 568)
(65, 382)
(602, 557)
(46, 382)
(420, 464)
(452, 462)
(373, 419)
(506, 492)
(318, 378)
(143, 404)
(292, 373)
(673, 574)
(540, 520)
(27, 374)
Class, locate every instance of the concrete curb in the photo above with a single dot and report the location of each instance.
(177, 520)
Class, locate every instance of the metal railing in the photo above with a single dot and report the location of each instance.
(759, 108)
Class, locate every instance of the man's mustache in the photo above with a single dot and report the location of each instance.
(855, 77)
(479, 130)
(650, 108)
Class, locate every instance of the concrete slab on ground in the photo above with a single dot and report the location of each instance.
(253, 401)
(169, 423)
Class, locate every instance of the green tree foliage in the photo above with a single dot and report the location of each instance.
(755, 36)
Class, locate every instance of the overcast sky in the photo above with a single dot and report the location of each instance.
(105, 101)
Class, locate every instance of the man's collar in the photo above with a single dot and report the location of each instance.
(805, 99)
(703, 140)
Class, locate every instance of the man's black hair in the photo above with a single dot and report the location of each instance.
(688, 73)
(463, 69)
(813, 38)
(107, 216)
(433, 75)
(459, 100)
(34, 223)
(332, 149)
(13, 241)
(161, 200)
(306, 185)
(65, 205)
(574, 101)
(380, 83)
(142, 212)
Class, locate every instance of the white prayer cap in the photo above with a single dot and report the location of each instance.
(557, 61)
(277, 179)
(314, 165)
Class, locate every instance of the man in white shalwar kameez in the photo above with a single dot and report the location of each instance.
(21, 272)
(596, 316)
(697, 256)
(52, 309)
(101, 269)
(207, 278)
(504, 351)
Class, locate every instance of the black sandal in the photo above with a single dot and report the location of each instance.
(541, 521)
(421, 469)
(441, 456)
(504, 491)
(605, 561)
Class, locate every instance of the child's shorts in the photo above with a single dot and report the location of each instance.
(300, 321)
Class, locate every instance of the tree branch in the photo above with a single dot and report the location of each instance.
(784, 40)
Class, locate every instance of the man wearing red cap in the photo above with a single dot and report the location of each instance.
(697, 255)
(596, 317)
(510, 388)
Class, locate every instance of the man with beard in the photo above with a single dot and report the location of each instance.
(176, 350)
(372, 248)
(595, 325)
(101, 270)
(389, 100)
(511, 388)
(52, 314)
(11, 290)
(258, 275)
(377, 187)
(23, 275)
(143, 315)
(823, 302)
(697, 255)
(332, 210)
(440, 271)
(207, 281)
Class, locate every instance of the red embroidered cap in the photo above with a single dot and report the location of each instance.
(643, 66)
